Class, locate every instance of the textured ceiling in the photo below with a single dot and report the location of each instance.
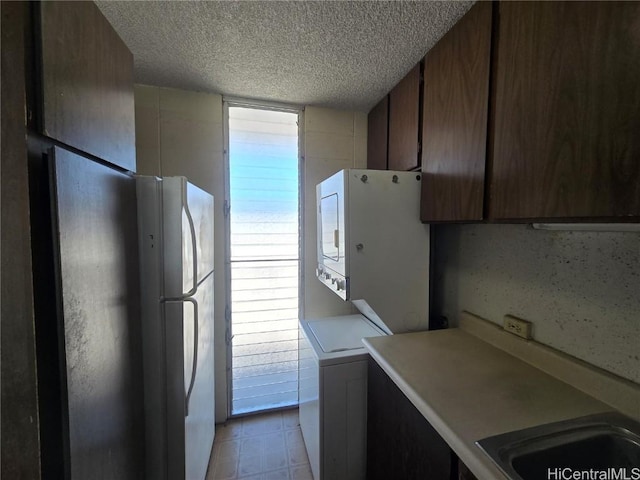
(338, 54)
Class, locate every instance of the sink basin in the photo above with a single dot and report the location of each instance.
(595, 442)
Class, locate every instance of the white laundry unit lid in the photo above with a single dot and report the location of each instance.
(337, 334)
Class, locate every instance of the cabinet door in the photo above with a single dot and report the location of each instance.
(404, 108)
(87, 82)
(400, 441)
(344, 414)
(98, 325)
(377, 135)
(454, 128)
(567, 111)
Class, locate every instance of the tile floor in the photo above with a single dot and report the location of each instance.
(260, 447)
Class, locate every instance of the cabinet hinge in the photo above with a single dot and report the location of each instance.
(226, 208)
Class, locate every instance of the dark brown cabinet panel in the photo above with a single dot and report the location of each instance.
(91, 406)
(567, 111)
(454, 128)
(21, 423)
(464, 473)
(400, 441)
(87, 82)
(377, 135)
(404, 111)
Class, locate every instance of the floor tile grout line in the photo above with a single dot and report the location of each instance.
(289, 445)
(230, 439)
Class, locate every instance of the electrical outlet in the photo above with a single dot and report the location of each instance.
(517, 326)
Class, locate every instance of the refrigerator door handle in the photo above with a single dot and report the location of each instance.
(194, 365)
(192, 229)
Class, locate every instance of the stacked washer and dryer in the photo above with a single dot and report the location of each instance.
(374, 252)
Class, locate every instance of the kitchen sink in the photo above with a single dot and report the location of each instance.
(592, 443)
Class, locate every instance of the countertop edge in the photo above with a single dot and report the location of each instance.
(482, 468)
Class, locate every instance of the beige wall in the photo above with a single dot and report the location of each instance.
(581, 290)
(334, 140)
(181, 133)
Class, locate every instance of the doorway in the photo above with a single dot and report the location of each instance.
(263, 257)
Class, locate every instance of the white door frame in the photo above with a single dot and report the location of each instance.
(280, 107)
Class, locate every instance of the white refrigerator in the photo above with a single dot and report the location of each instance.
(175, 228)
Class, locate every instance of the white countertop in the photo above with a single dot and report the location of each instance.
(469, 390)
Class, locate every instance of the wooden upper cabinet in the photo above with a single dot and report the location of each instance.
(377, 135)
(404, 112)
(87, 82)
(454, 125)
(567, 111)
